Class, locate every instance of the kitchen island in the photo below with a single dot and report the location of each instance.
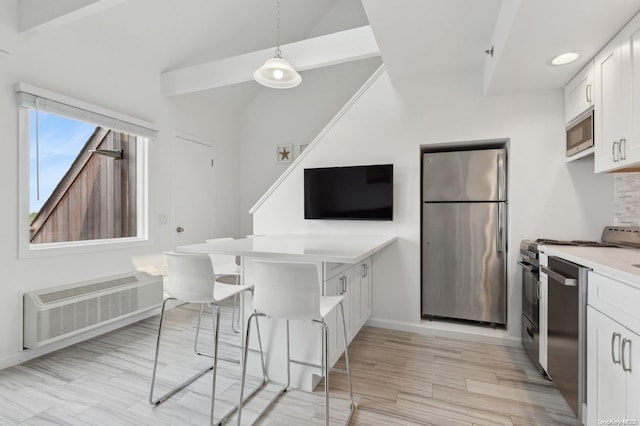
(345, 266)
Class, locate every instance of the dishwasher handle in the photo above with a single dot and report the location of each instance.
(525, 266)
(569, 282)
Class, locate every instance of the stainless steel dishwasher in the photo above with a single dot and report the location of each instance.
(567, 343)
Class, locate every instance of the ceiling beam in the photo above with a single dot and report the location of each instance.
(332, 49)
(36, 16)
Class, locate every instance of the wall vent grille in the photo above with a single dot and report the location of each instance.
(56, 313)
(91, 288)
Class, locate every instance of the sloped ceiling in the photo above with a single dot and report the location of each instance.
(435, 36)
(415, 37)
(540, 30)
(160, 35)
(432, 36)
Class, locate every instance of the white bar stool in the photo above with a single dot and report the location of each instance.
(292, 291)
(228, 271)
(191, 279)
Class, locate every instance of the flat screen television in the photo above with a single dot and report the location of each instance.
(349, 193)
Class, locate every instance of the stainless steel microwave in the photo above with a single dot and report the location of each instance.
(580, 134)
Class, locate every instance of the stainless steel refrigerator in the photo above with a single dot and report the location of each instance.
(464, 214)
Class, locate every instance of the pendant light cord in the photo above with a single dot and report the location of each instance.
(278, 52)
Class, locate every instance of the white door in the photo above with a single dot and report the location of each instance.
(632, 373)
(606, 380)
(192, 191)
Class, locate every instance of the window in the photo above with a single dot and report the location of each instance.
(83, 174)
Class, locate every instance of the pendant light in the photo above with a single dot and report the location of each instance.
(277, 73)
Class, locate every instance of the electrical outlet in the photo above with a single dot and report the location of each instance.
(163, 218)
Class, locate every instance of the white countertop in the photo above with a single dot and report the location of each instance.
(299, 247)
(613, 262)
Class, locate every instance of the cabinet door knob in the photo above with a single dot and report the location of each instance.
(622, 149)
(613, 151)
(613, 345)
(624, 362)
(587, 93)
(179, 229)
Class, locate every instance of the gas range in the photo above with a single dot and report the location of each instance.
(612, 236)
(529, 261)
(578, 243)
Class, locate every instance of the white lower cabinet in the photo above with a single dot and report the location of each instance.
(613, 353)
(339, 285)
(353, 282)
(613, 362)
(361, 294)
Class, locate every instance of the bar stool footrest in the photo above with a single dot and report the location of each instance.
(245, 400)
(181, 386)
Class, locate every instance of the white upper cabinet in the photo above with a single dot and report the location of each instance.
(631, 149)
(578, 94)
(617, 99)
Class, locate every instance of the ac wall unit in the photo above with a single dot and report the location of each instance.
(56, 313)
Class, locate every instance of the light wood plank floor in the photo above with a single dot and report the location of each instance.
(399, 379)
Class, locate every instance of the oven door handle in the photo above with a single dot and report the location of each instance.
(525, 266)
(569, 282)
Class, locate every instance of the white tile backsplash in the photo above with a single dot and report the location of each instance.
(626, 196)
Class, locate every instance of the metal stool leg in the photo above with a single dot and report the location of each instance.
(178, 388)
(233, 315)
(288, 359)
(235, 325)
(216, 332)
(195, 343)
(325, 349)
(244, 366)
(324, 366)
(265, 379)
(346, 360)
(264, 370)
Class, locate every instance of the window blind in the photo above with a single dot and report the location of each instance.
(83, 112)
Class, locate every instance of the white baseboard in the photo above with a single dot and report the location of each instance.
(472, 333)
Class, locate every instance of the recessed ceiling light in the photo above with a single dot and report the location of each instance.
(565, 58)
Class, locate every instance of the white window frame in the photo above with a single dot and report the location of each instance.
(104, 116)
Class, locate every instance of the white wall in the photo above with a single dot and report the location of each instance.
(293, 116)
(547, 197)
(63, 62)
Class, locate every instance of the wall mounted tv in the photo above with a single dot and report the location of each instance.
(349, 193)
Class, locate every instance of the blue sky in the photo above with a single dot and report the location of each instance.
(60, 142)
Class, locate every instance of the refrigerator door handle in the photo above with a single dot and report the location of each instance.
(500, 171)
(500, 230)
